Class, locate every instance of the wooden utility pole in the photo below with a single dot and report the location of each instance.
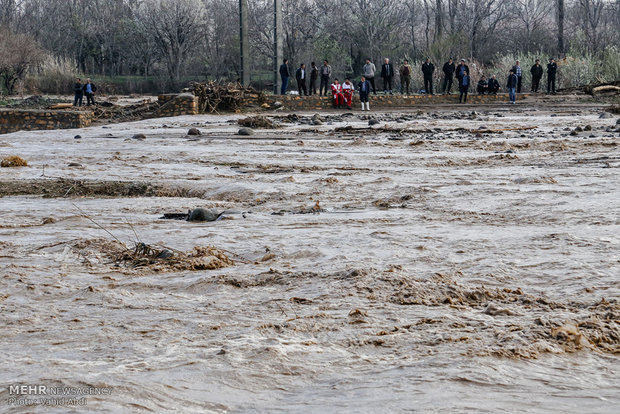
(244, 46)
(560, 17)
(277, 44)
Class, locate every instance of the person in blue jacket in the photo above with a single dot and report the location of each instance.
(511, 85)
(464, 82)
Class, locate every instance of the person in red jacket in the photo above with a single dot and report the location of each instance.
(347, 91)
(337, 94)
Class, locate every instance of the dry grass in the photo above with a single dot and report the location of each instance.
(13, 161)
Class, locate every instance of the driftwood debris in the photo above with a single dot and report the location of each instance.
(214, 97)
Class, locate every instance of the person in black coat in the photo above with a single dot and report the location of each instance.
(516, 69)
(427, 70)
(284, 75)
(448, 75)
(537, 72)
(493, 85)
(89, 89)
(314, 76)
(78, 92)
(552, 69)
(483, 85)
(387, 73)
(300, 77)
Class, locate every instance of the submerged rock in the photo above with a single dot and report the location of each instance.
(245, 131)
(193, 131)
(139, 136)
(203, 214)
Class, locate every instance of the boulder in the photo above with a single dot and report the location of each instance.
(193, 131)
(245, 131)
(203, 214)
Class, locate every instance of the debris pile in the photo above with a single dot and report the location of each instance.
(214, 97)
(257, 122)
(13, 161)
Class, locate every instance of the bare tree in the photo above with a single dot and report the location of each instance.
(175, 27)
(18, 52)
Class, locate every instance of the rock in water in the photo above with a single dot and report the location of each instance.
(139, 136)
(78, 137)
(193, 131)
(317, 122)
(203, 214)
(618, 121)
(245, 131)
(372, 122)
(605, 115)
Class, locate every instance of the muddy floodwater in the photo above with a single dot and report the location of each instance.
(438, 261)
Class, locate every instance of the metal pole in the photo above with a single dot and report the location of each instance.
(277, 44)
(243, 43)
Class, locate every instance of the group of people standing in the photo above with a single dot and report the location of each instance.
(79, 90)
(460, 73)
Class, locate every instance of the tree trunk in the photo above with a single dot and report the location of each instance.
(560, 15)
(438, 20)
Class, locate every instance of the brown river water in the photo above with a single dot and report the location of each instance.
(418, 267)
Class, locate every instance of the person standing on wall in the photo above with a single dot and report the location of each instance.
(460, 70)
(300, 77)
(369, 70)
(537, 72)
(448, 75)
(78, 93)
(284, 75)
(326, 73)
(387, 73)
(314, 75)
(364, 87)
(516, 69)
(464, 82)
(405, 77)
(552, 70)
(511, 85)
(427, 69)
(89, 89)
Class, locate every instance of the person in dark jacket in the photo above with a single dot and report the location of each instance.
(493, 85)
(427, 70)
(460, 70)
(89, 89)
(326, 73)
(511, 85)
(448, 75)
(405, 77)
(552, 69)
(78, 92)
(483, 85)
(537, 72)
(364, 88)
(284, 75)
(516, 69)
(314, 75)
(387, 73)
(464, 82)
(300, 77)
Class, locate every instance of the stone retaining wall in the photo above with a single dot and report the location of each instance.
(176, 104)
(12, 120)
(295, 102)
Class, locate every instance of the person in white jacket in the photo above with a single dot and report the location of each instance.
(369, 70)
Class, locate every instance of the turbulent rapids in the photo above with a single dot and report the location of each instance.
(440, 260)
